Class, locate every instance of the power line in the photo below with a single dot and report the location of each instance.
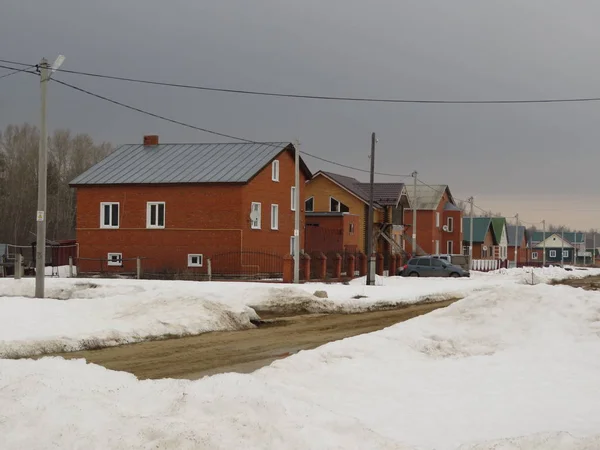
(206, 130)
(325, 97)
(16, 70)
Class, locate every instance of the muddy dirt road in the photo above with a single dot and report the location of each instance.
(589, 283)
(244, 351)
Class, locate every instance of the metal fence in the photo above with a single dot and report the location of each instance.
(252, 265)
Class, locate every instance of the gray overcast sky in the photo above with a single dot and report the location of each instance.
(538, 160)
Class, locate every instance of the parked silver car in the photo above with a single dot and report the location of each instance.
(428, 266)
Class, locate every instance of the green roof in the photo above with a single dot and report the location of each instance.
(481, 225)
(573, 238)
(498, 224)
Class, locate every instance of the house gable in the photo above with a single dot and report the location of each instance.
(554, 241)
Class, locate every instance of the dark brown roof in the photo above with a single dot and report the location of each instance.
(384, 194)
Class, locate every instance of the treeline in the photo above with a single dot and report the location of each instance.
(69, 155)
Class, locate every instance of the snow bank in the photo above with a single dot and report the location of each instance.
(513, 367)
(94, 313)
(30, 326)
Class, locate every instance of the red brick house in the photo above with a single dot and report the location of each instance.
(439, 221)
(178, 204)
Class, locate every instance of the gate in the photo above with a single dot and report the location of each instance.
(247, 266)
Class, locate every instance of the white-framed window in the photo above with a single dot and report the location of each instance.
(565, 253)
(255, 215)
(351, 228)
(450, 224)
(155, 215)
(293, 198)
(437, 219)
(292, 242)
(437, 247)
(195, 260)
(274, 217)
(450, 248)
(534, 255)
(275, 170)
(309, 204)
(109, 215)
(114, 259)
(484, 252)
(552, 253)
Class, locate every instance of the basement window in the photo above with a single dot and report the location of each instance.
(115, 259)
(195, 260)
(155, 217)
(109, 215)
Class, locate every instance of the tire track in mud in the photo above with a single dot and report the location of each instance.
(247, 350)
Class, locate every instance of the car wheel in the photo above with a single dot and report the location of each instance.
(454, 275)
(414, 274)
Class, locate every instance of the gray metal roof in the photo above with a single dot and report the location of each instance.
(184, 163)
(511, 234)
(428, 197)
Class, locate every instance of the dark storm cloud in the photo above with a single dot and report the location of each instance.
(411, 49)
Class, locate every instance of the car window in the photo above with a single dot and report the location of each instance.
(425, 262)
(438, 263)
(413, 262)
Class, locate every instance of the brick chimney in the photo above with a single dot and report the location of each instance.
(150, 140)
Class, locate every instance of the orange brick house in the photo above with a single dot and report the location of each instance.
(178, 204)
(439, 221)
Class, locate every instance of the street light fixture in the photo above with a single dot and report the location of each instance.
(46, 72)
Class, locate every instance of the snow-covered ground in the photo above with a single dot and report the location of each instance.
(509, 367)
(93, 313)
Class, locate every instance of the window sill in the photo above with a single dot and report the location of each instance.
(155, 228)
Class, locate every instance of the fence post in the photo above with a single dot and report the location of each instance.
(138, 267)
(322, 266)
(70, 267)
(379, 264)
(392, 272)
(362, 265)
(306, 264)
(18, 264)
(209, 268)
(351, 266)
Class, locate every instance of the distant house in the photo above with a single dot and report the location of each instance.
(178, 204)
(483, 237)
(559, 247)
(518, 237)
(439, 221)
(328, 195)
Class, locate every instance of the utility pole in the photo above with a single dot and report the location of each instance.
(414, 214)
(517, 242)
(40, 252)
(371, 258)
(471, 200)
(594, 249)
(562, 247)
(297, 214)
(544, 243)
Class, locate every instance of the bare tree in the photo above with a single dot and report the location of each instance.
(68, 156)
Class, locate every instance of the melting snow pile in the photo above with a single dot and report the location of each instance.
(511, 367)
